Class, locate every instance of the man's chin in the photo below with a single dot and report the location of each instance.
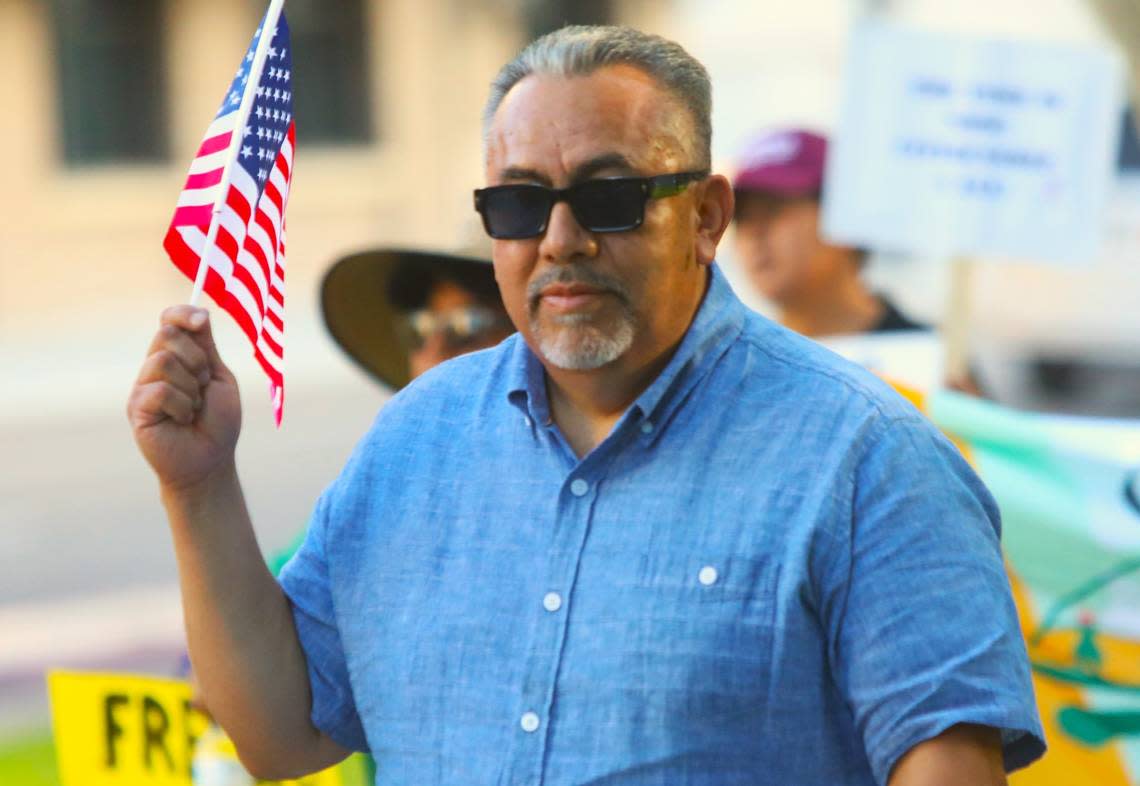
(580, 348)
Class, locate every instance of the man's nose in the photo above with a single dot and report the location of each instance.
(565, 239)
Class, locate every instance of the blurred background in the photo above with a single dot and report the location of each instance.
(105, 102)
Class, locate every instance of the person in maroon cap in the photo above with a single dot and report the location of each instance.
(815, 285)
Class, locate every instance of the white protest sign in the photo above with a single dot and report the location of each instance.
(953, 146)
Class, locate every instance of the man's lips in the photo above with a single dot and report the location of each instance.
(570, 297)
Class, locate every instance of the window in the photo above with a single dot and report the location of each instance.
(332, 95)
(544, 17)
(111, 80)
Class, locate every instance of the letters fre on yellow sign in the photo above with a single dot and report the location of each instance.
(125, 730)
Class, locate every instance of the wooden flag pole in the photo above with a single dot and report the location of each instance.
(268, 25)
(956, 322)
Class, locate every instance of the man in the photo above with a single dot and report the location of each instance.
(653, 538)
(815, 285)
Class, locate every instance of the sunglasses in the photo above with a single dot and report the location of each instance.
(611, 204)
(459, 327)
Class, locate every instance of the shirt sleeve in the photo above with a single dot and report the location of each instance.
(923, 632)
(305, 580)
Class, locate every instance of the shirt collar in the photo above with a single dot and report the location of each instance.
(718, 321)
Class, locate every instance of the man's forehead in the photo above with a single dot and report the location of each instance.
(617, 113)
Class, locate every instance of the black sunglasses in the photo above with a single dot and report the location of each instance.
(611, 204)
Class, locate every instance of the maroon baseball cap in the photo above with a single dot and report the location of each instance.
(785, 163)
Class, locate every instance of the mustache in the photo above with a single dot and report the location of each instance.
(571, 273)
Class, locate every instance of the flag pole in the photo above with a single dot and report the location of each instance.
(267, 27)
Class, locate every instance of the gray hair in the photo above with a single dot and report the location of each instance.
(579, 50)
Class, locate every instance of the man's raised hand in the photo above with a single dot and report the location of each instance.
(184, 408)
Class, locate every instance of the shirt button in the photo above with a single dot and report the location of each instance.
(529, 722)
(579, 488)
(707, 576)
(552, 601)
(647, 427)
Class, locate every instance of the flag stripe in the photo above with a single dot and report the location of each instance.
(203, 180)
(272, 331)
(221, 125)
(204, 197)
(209, 163)
(192, 216)
(215, 144)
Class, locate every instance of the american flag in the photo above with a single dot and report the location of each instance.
(246, 266)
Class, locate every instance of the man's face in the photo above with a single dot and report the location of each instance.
(778, 245)
(583, 300)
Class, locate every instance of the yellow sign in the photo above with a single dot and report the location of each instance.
(127, 730)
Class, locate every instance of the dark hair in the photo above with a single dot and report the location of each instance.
(412, 282)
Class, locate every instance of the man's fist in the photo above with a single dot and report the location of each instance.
(184, 408)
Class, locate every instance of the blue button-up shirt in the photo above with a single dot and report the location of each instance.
(773, 570)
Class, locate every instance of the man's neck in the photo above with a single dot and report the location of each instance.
(846, 308)
(587, 404)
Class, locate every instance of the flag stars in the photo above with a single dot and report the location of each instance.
(235, 97)
(246, 151)
(247, 132)
(273, 52)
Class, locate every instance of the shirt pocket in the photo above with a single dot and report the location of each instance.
(739, 585)
(698, 626)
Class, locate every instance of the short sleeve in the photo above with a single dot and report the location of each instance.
(305, 580)
(922, 628)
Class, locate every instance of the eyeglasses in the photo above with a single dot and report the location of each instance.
(459, 327)
(611, 204)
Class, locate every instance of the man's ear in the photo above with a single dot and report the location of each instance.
(715, 203)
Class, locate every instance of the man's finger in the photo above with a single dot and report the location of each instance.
(190, 318)
(157, 401)
(183, 345)
(196, 321)
(166, 366)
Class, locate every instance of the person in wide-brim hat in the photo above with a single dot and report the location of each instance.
(398, 312)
